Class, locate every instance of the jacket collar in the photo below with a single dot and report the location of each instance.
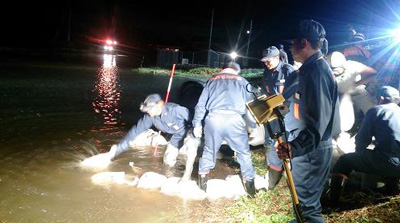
(310, 60)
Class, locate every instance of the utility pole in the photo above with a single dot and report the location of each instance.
(248, 39)
(211, 30)
(69, 21)
(209, 42)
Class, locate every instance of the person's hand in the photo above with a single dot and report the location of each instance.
(197, 132)
(170, 155)
(284, 150)
(101, 160)
(112, 151)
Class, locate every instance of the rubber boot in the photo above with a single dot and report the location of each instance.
(391, 187)
(274, 177)
(250, 188)
(202, 181)
(338, 182)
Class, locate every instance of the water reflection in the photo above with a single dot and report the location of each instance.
(106, 92)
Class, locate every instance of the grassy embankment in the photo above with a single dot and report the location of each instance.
(199, 72)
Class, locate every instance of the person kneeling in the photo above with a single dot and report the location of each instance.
(383, 123)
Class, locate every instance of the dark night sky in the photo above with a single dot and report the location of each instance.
(185, 24)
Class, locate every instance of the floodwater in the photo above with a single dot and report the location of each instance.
(54, 116)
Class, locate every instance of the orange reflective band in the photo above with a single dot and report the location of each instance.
(281, 88)
(296, 110)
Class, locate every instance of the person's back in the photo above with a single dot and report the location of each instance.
(223, 102)
(385, 127)
(224, 89)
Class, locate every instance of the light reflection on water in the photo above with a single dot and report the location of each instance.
(39, 155)
(106, 92)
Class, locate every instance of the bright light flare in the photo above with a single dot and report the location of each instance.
(233, 55)
(396, 34)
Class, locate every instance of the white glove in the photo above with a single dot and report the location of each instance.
(101, 160)
(170, 155)
(197, 132)
(112, 151)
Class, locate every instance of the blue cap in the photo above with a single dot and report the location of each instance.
(149, 102)
(270, 52)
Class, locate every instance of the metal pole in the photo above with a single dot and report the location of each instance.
(209, 42)
(69, 24)
(211, 29)
(171, 76)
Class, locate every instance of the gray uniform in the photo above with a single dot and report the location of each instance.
(222, 103)
(173, 120)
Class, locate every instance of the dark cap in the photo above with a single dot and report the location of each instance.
(270, 52)
(389, 93)
(149, 102)
(310, 29)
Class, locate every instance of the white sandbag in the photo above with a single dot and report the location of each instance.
(346, 112)
(345, 143)
(99, 161)
(108, 178)
(257, 135)
(151, 180)
(187, 190)
(217, 189)
(260, 182)
(169, 187)
(236, 185)
(148, 138)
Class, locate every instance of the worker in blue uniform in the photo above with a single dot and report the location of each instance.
(222, 105)
(274, 81)
(169, 118)
(382, 122)
(315, 114)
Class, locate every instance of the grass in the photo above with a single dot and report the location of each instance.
(275, 206)
(196, 72)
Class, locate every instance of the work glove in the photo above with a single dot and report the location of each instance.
(101, 160)
(170, 155)
(112, 151)
(197, 132)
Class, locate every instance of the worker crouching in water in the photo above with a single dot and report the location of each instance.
(222, 105)
(169, 118)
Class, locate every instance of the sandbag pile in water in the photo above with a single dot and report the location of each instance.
(231, 187)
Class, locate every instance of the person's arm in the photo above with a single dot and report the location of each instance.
(200, 109)
(367, 75)
(317, 111)
(364, 135)
(143, 124)
(182, 116)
